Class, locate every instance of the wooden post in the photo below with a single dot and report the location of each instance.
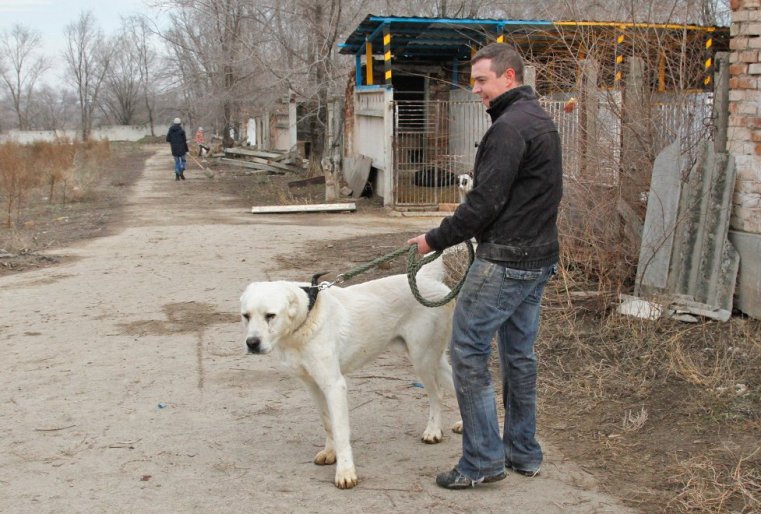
(369, 61)
(619, 57)
(636, 155)
(708, 61)
(721, 102)
(529, 76)
(588, 116)
(387, 54)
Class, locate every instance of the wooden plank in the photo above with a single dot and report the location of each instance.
(321, 207)
(319, 179)
(252, 153)
(252, 166)
(285, 167)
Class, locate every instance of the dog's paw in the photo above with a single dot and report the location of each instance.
(457, 427)
(432, 436)
(325, 457)
(346, 478)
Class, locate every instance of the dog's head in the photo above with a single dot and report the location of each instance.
(271, 311)
(465, 182)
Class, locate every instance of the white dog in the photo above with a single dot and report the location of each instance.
(464, 184)
(322, 339)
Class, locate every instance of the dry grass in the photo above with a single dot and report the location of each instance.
(63, 168)
(706, 487)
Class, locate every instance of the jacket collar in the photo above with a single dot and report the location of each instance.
(507, 98)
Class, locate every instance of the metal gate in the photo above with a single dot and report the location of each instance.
(434, 141)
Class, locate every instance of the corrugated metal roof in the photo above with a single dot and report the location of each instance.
(452, 38)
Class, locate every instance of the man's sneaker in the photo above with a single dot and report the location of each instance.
(525, 472)
(455, 480)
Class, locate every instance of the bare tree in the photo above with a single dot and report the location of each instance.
(53, 109)
(138, 32)
(205, 38)
(121, 93)
(88, 56)
(21, 68)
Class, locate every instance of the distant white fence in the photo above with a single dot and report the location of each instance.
(111, 133)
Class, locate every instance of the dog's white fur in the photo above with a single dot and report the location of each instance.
(464, 184)
(347, 328)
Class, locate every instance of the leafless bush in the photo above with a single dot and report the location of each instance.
(87, 159)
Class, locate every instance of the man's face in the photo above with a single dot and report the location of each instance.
(487, 84)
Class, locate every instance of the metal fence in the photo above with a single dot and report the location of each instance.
(434, 141)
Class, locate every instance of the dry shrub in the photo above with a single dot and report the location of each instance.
(705, 487)
(52, 162)
(17, 177)
(595, 256)
(70, 167)
(88, 158)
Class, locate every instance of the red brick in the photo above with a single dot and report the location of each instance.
(738, 43)
(743, 83)
(757, 149)
(750, 56)
(738, 69)
(755, 136)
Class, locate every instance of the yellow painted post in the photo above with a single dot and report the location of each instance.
(661, 71)
(369, 62)
(708, 61)
(619, 53)
(387, 54)
(472, 53)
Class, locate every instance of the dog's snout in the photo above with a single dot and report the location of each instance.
(254, 344)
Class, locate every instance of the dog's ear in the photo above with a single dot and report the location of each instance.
(293, 307)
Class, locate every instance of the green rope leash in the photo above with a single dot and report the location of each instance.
(413, 267)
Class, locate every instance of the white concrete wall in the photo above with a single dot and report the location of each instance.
(112, 133)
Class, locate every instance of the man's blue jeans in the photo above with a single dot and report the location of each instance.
(507, 302)
(179, 164)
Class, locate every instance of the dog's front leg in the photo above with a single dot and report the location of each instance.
(338, 408)
(328, 455)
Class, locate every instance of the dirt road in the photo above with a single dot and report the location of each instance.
(124, 385)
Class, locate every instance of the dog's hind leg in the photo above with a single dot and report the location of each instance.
(326, 456)
(425, 367)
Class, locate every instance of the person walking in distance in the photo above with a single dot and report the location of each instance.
(512, 212)
(179, 145)
(199, 139)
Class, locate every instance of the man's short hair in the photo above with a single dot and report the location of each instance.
(503, 56)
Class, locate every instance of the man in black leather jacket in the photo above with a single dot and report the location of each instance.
(512, 212)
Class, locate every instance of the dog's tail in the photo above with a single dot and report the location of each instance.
(434, 271)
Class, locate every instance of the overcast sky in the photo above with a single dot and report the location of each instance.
(50, 17)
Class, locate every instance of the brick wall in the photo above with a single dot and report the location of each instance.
(744, 133)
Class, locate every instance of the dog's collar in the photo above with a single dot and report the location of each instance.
(313, 289)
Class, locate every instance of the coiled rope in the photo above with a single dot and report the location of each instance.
(414, 263)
